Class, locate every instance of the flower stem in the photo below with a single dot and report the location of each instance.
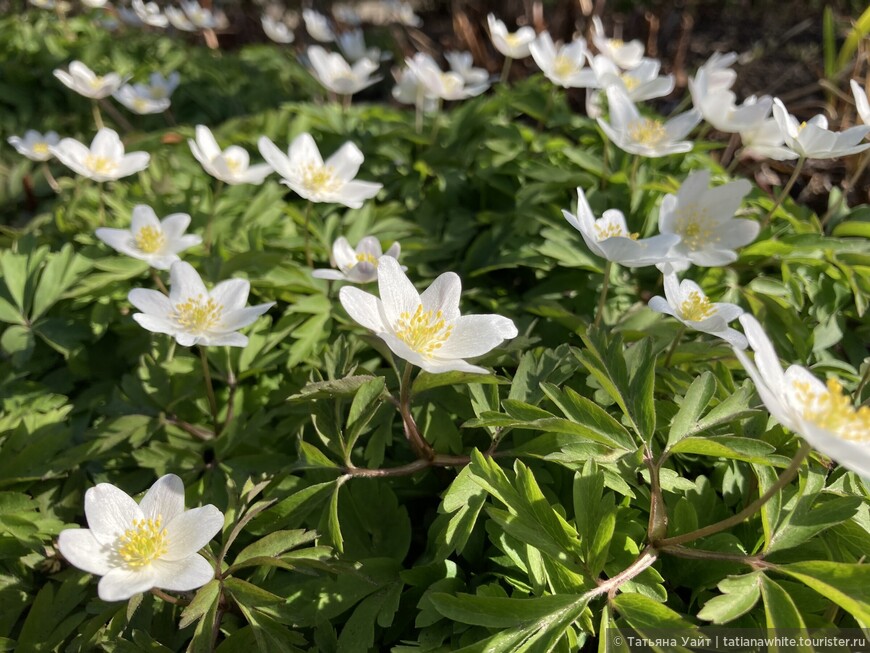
(422, 448)
(506, 70)
(784, 479)
(673, 346)
(232, 384)
(785, 191)
(168, 598)
(117, 116)
(98, 117)
(632, 182)
(52, 182)
(158, 281)
(102, 203)
(212, 214)
(309, 259)
(645, 560)
(209, 390)
(602, 298)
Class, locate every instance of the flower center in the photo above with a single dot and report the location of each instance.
(425, 332)
(100, 164)
(647, 131)
(320, 178)
(150, 239)
(158, 93)
(452, 83)
(40, 148)
(612, 230)
(367, 258)
(512, 39)
(144, 543)
(694, 228)
(198, 314)
(563, 66)
(697, 307)
(833, 411)
(140, 104)
(233, 165)
(616, 43)
(96, 82)
(629, 81)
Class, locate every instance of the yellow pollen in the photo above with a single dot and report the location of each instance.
(367, 258)
(647, 131)
(629, 81)
(198, 315)
(144, 543)
(234, 165)
(100, 164)
(616, 43)
(697, 307)
(425, 332)
(694, 228)
(611, 230)
(802, 126)
(157, 93)
(40, 148)
(140, 104)
(563, 66)
(833, 411)
(512, 39)
(319, 178)
(150, 239)
(96, 82)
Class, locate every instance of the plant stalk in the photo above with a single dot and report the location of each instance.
(602, 298)
(785, 191)
(209, 391)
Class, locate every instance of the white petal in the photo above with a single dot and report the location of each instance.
(242, 317)
(143, 216)
(175, 225)
(83, 550)
(766, 359)
(182, 575)
(660, 305)
(157, 324)
(206, 143)
(118, 239)
(680, 126)
(189, 531)
(354, 193)
(151, 302)
(303, 151)
(274, 157)
(363, 307)
(332, 275)
(398, 294)
(121, 583)
(185, 283)
(132, 163)
(475, 335)
(443, 295)
(346, 161)
(218, 340)
(109, 512)
(232, 294)
(164, 499)
(107, 144)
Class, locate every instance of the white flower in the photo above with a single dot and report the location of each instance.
(462, 63)
(193, 315)
(764, 141)
(149, 13)
(356, 266)
(179, 20)
(403, 13)
(135, 547)
(84, 81)
(331, 70)
(202, 18)
(138, 99)
(160, 87)
(717, 72)
(277, 30)
(105, 160)
(812, 139)
(94, 4)
(425, 329)
(703, 217)
(511, 44)
(129, 17)
(409, 90)
(625, 55)
(820, 413)
(565, 66)
(231, 165)
(640, 83)
(688, 303)
(353, 45)
(346, 14)
(609, 238)
(649, 137)
(440, 85)
(35, 146)
(862, 103)
(317, 26)
(719, 105)
(303, 170)
(157, 242)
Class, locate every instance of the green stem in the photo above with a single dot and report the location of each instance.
(673, 346)
(98, 117)
(864, 380)
(309, 259)
(102, 203)
(209, 390)
(635, 164)
(158, 281)
(784, 479)
(421, 448)
(602, 298)
(506, 70)
(212, 214)
(52, 182)
(785, 191)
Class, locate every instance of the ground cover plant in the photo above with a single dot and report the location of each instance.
(454, 367)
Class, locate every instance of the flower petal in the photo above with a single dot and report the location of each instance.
(164, 499)
(398, 294)
(232, 294)
(242, 317)
(363, 307)
(443, 295)
(109, 512)
(175, 225)
(184, 283)
(346, 161)
(475, 335)
(182, 575)
(303, 151)
(122, 583)
(189, 531)
(81, 549)
(151, 302)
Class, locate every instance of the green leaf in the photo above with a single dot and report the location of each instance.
(345, 387)
(590, 416)
(205, 600)
(275, 544)
(696, 399)
(250, 595)
(847, 585)
(739, 596)
(366, 403)
(781, 613)
(62, 270)
(494, 612)
(726, 446)
(810, 516)
(642, 387)
(428, 381)
(642, 613)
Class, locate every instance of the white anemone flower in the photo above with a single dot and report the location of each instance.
(514, 45)
(149, 13)
(813, 140)
(35, 146)
(642, 82)
(648, 137)
(441, 85)
(358, 265)
(625, 55)
(717, 72)
(179, 20)
(565, 65)
(303, 170)
(139, 100)
(136, 547)
(609, 238)
(704, 219)
(336, 75)
(409, 89)
(160, 87)
(352, 44)
(84, 81)
(462, 63)
(277, 30)
(94, 4)
(157, 242)
(426, 328)
(202, 18)
(719, 106)
(193, 315)
(317, 25)
(231, 165)
(104, 160)
(862, 103)
(821, 413)
(764, 141)
(686, 301)
(402, 12)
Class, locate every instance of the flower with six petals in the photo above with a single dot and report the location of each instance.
(232, 165)
(157, 242)
(84, 81)
(104, 160)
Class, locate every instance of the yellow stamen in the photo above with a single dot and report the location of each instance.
(697, 307)
(139, 104)
(616, 43)
(197, 314)
(96, 82)
(367, 258)
(696, 228)
(512, 39)
(611, 230)
(833, 411)
(320, 178)
(564, 66)
(157, 93)
(425, 332)
(144, 543)
(40, 148)
(647, 131)
(629, 81)
(150, 239)
(100, 164)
